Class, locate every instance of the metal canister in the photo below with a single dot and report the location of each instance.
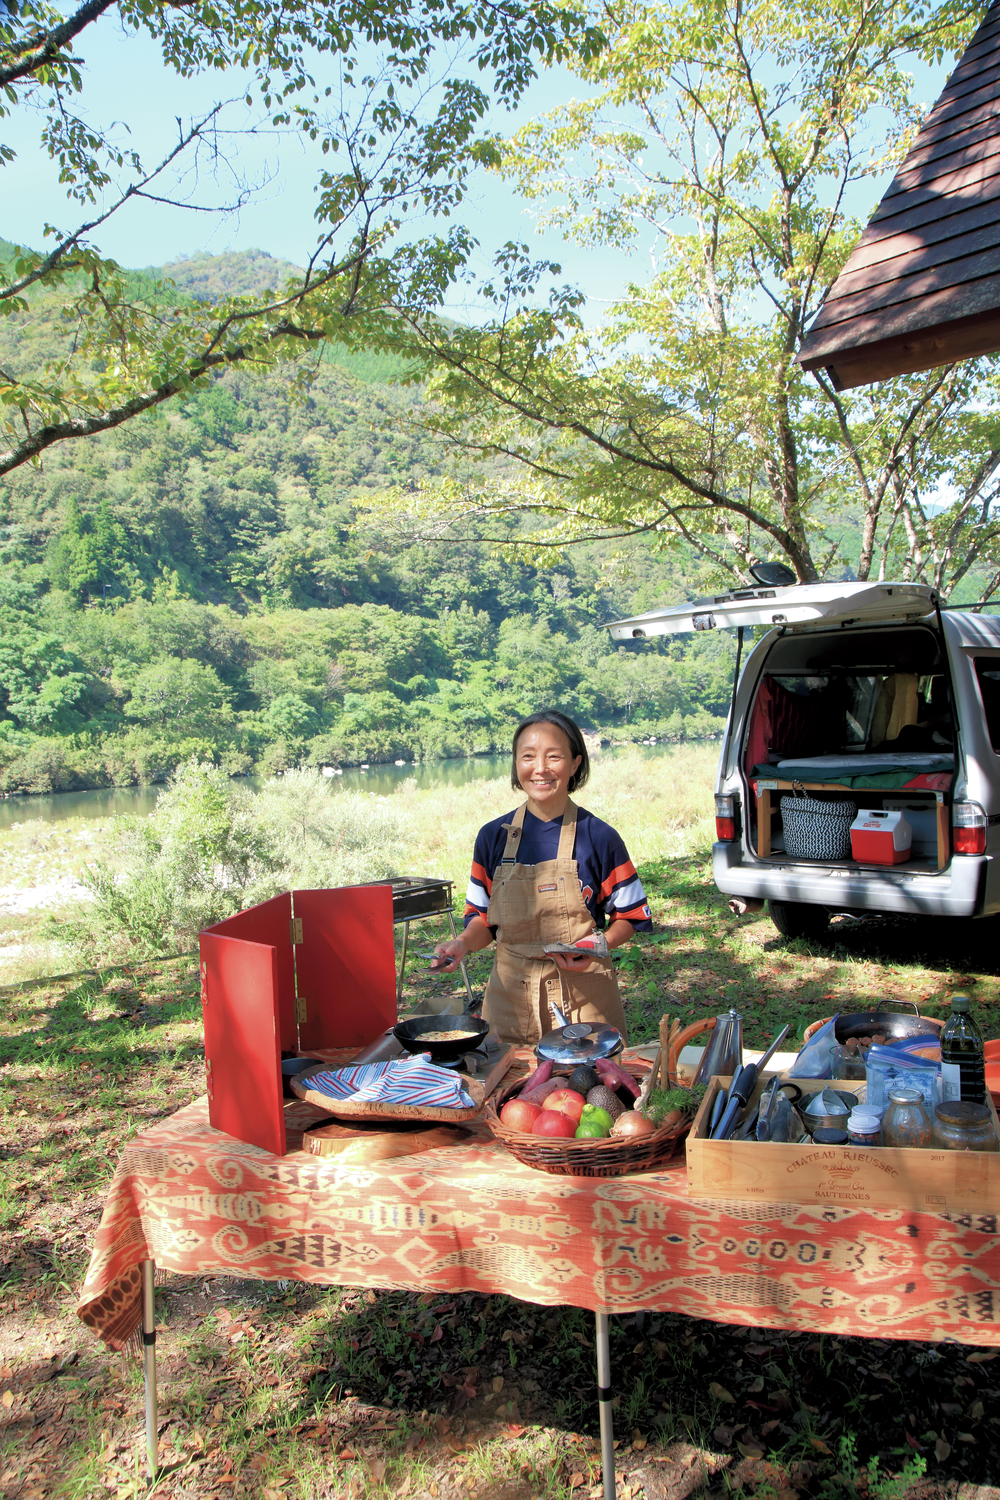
(724, 1053)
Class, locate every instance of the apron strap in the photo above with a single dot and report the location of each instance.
(513, 836)
(567, 834)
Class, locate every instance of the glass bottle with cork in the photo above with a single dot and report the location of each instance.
(963, 1065)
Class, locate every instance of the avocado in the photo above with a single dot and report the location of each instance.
(582, 1080)
(605, 1099)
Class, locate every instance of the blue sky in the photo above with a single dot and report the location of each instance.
(126, 82)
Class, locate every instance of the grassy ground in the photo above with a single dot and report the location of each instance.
(277, 1390)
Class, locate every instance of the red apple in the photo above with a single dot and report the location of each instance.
(553, 1122)
(567, 1102)
(520, 1114)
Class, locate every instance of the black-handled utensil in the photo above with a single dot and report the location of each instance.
(743, 1086)
(721, 1100)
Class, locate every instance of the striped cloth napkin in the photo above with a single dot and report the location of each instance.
(404, 1080)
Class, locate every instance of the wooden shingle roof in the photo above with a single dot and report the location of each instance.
(922, 287)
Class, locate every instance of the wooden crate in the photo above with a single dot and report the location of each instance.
(868, 1177)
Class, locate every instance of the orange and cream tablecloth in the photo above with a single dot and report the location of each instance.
(471, 1218)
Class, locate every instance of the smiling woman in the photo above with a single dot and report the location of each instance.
(559, 874)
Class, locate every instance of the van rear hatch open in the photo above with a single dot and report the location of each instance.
(797, 605)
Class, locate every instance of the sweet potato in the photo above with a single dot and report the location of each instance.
(615, 1077)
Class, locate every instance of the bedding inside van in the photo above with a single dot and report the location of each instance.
(918, 770)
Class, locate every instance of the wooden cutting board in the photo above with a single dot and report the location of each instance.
(366, 1141)
(347, 1109)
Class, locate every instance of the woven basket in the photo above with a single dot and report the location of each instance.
(817, 830)
(612, 1157)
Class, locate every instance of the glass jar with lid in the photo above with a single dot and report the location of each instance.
(960, 1125)
(864, 1128)
(907, 1121)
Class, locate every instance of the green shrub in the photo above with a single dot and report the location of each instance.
(213, 847)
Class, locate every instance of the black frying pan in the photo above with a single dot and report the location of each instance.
(867, 1023)
(410, 1033)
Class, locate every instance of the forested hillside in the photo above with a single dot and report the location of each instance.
(204, 581)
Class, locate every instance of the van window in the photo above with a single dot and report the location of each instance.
(988, 676)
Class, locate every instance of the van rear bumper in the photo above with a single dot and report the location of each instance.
(959, 891)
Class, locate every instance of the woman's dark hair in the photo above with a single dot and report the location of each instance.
(577, 745)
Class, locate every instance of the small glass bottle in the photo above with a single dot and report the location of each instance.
(864, 1128)
(963, 1065)
(828, 1136)
(906, 1121)
(962, 1126)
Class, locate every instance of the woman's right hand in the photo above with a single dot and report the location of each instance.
(448, 956)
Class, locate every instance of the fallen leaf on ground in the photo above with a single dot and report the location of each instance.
(965, 1437)
(981, 1356)
(347, 1453)
(720, 1393)
(515, 1432)
(749, 1450)
(942, 1450)
(497, 1384)
(217, 1410)
(639, 1440)
(8, 1399)
(822, 1447)
(576, 1481)
(436, 1335)
(376, 1468)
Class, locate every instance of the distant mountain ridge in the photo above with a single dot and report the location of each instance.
(234, 273)
(203, 278)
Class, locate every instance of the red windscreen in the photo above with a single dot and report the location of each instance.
(239, 986)
(269, 923)
(346, 965)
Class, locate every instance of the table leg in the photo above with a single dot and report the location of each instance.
(465, 976)
(402, 963)
(764, 825)
(604, 1405)
(148, 1268)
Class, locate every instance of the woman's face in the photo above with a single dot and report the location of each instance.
(545, 764)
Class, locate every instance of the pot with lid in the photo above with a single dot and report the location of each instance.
(578, 1041)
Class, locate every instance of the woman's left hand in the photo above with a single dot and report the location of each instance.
(571, 960)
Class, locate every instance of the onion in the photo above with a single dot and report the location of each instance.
(632, 1124)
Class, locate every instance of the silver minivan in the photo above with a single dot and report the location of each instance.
(875, 694)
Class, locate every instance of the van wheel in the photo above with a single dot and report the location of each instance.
(795, 919)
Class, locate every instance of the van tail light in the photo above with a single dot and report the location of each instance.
(968, 822)
(725, 818)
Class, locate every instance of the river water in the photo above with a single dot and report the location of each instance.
(383, 780)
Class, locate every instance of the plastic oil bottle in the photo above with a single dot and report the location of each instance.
(963, 1065)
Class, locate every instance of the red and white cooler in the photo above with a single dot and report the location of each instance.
(881, 837)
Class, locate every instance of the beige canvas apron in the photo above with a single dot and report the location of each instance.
(531, 905)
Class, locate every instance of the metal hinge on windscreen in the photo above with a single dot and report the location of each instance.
(295, 931)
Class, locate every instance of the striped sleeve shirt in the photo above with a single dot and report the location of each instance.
(608, 880)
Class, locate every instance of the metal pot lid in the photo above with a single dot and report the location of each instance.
(578, 1041)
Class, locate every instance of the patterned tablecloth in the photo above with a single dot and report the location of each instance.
(471, 1218)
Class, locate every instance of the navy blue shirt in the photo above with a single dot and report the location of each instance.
(608, 880)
